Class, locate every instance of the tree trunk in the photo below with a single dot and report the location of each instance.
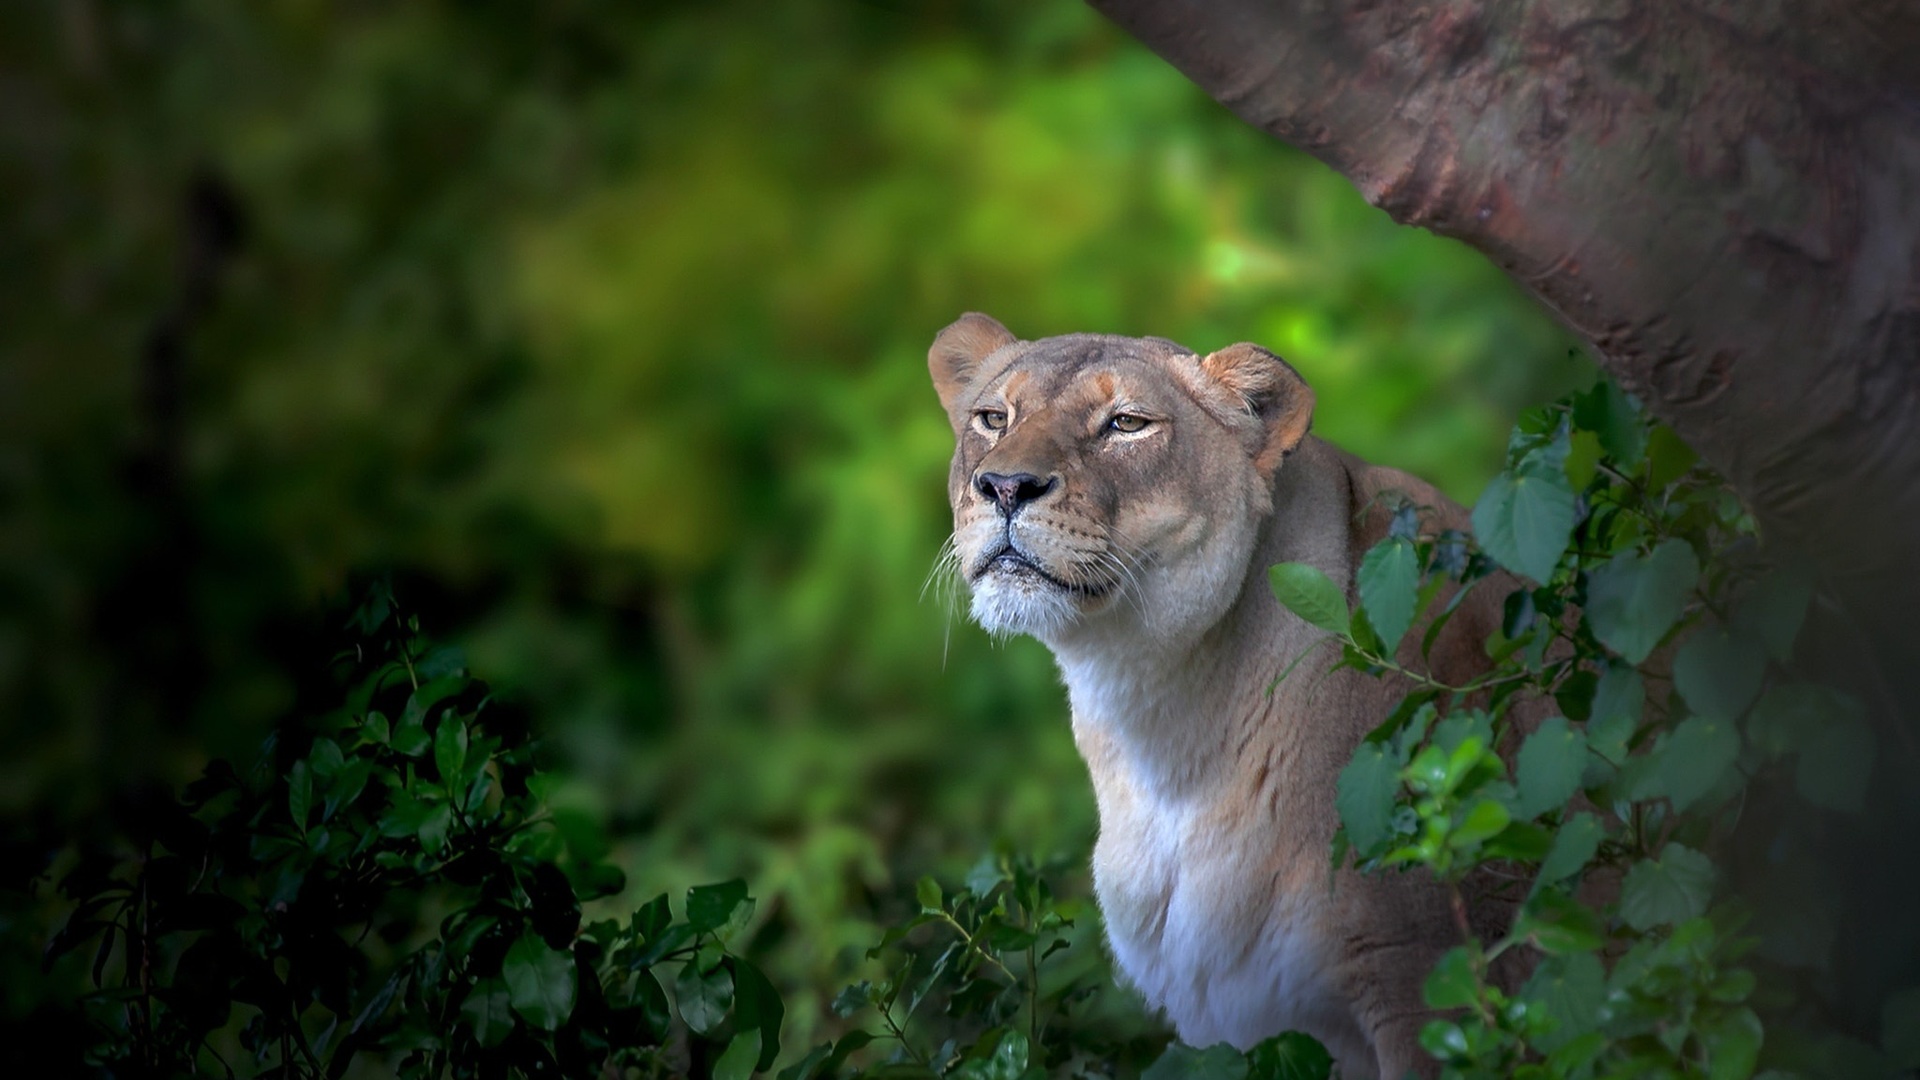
(1721, 196)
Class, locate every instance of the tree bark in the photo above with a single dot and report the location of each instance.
(1721, 196)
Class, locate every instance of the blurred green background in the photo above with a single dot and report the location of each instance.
(603, 327)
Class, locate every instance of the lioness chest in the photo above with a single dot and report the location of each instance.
(1212, 912)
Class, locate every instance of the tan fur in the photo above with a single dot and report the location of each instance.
(1143, 566)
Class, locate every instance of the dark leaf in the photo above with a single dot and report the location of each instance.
(541, 982)
(1570, 990)
(710, 907)
(1718, 673)
(704, 997)
(1674, 888)
(1633, 601)
(1183, 1062)
(488, 1011)
(757, 1004)
(1576, 841)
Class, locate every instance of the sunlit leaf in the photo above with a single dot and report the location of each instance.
(742, 1054)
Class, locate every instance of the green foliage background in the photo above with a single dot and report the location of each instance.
(603, 325)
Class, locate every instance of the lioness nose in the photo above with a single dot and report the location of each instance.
(1011, 491)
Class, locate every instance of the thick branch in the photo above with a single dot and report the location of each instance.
(1731, 217)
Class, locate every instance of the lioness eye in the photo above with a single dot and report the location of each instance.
(991, 419)
(1128, 423)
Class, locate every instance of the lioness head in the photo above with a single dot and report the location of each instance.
(1101, 478)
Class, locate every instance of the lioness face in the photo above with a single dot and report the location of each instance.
(1099, 478)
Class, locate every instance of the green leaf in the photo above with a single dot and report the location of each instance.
(1559, 924)
(986, 875)
(757, 1004)
(1525, 516)
(1668, 459)
(1633, 601)
(1451, 984)
(1611, 415)
(710, 907)
(704, 997)
(1617, 701)
(1733, 1041)
(1364, 796)
(410, 734)
(1773, 611)
(488, 1011)
(927, 891)
(435, 822)
(541, 982)
(1310, 594)
(1007, 1062)
(450, 750)
(1292, 1055)
(1483, 822)
(1444, 1040)
(1583, 459)
(1183, 1062)
(1389, 584)
(1689, 762)
(1718, 673)
(1576, 842)
(740, 1057)
(1548, 770)
(299, 794)
(1572, 991)
(1671, 889)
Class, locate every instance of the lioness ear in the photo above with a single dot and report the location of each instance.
(1273, 391)
(958, 350)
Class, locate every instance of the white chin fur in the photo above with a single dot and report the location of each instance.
(1008, 604)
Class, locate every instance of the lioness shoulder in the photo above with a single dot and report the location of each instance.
(1120, 500)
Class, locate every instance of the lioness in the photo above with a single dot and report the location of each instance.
(1120, 499)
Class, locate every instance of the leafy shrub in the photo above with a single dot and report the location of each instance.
(387, 883)
(386, 886)
(1647, 612)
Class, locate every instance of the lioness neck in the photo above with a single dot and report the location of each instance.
(1167, 696)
